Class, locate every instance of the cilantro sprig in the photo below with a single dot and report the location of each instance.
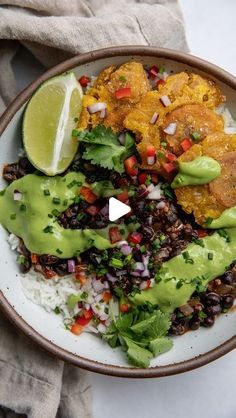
(143, 335)
(103, 147)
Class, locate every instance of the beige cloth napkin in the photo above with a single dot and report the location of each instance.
(32, 383)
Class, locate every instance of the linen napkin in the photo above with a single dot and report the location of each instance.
(33, 384)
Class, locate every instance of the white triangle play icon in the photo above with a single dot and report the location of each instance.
(117, 209)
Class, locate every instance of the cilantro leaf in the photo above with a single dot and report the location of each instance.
(138, 356)
(103, 148)
(160, 345)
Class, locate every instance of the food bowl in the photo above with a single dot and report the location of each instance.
(194, 348)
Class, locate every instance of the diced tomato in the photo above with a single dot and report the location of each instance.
(169, 167)
(83, 321)
(135, 237)
(171, 157)
(84, 80)
(186, 144)
(92, 210)
(123, 93)
(106, 296)
(131, 166)
(150, 151)
(160, 83)
(49, 274)
(124, 308)
(34, 258)
(148, 284)
(154, 178)
(114, 235)
(202, 233)
(81, 277)
(76, 329)
(88, 194)
(88, 313)
(142, 177)
(123, 197)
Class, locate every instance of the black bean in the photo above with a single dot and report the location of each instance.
(61, 269)
(227, 301)
(228, 277)
(26, 266)
(209, 321)
(194, 323)
(148, 233)
(213, 310)
(91, 178)
(139, 207)
(74, 224)
(212, 299)
(177, 329)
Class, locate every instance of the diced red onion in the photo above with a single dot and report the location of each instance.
(150, 219)
(106, 285)
(135, 273)
(121, 138)
(145, 260)
(126, 249)
(105, 210)
(151, 187)
(98, 298)
(143, 285)
(139, 266)
(151, 160)
(142, 191)
(17, 196)
(121, 272)
(98, 285)
(122, 242)
(101, 328)
(102, 114)
(160, 205)
(154, 118)
(171, 128)
(165, 101)
(155, 194)
(111, 278)
(97, 107)
(145, 273)
(71, 266)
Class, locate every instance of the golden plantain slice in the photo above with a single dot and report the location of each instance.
(108, 82)
(210, 200)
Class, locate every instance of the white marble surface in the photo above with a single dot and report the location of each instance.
(208, 392)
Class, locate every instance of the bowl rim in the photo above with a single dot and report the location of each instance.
(8, 310)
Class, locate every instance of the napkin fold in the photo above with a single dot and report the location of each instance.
(34, 384)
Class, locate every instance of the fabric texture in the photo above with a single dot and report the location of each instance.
(33, 384)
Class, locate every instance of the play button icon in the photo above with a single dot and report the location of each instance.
(117, 209)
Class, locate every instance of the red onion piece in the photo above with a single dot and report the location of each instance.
(96, 107)
(17, 196)
(98, 285)
(139, 266)
(121, 272)
(143, 285)
(105, 210)
(102, 114)
(151, 187)
(135, 273)
(71, 266)
(154, 118)
(171, 128)
(151, 160)
(121, 138)
(160, 205)
(126, 249)
(111, 278)
(142, 191)
(165, 101)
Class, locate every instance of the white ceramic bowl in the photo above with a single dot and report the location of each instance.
(88, 351)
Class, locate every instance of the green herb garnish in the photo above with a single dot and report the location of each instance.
(224, 234)
(56, 200)
(2, 192)
(21, 259)
(80, 216)
(210, 256)
(46, 192)
(13, 216)
(196, 136)
(22, 207)
(48, 229)
(116, 263)
(59, 251)
(198, 241)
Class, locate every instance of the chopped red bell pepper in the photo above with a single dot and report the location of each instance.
(153, 71)
(160, 83)
(49, 274)
(84, 80)
(123, 93)
(81, 276)
(34, 258)
(106, 296)
(88, 194)
(83, 321)
(148, 283)
(92, 210)
(114, 234)
(169, 167)
(131, 166)
(124, 308)
(186, 144)
(151, 151)
(76, 329)
(202, 233)
(171, 157)
(135, 237)
(142, 177)
(154, 178)
(88, 313)
(123, 197)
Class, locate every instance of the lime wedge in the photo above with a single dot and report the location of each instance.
(48, 123)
